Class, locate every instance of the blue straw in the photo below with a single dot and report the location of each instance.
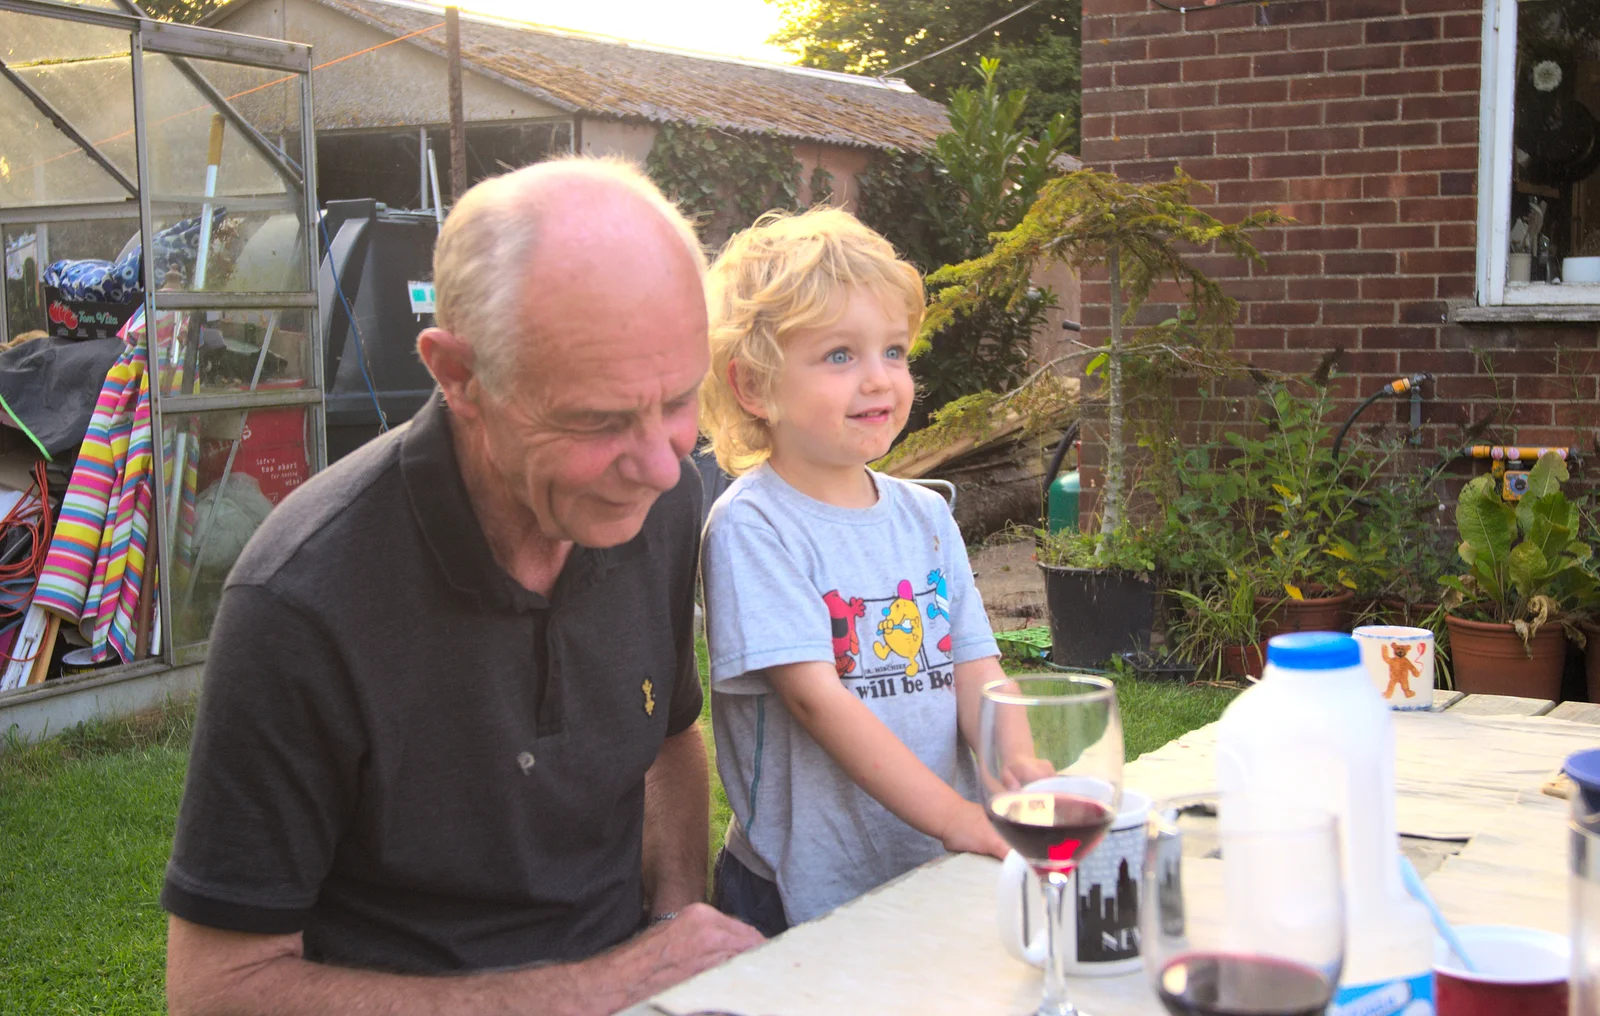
(1419, 892)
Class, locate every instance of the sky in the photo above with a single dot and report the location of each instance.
(730, 27)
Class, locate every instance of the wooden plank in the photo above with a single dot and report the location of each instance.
(47, 650)
(1501, 705)
(1576, 712)
(1443, 700)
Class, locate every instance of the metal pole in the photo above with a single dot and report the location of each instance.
(458, 127)
(318, 452)
(5, 281)
(163, 540)
(422, 168)
(438, 205)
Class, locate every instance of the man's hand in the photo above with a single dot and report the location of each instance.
(699, 938)
(971, 832)
(226, 973)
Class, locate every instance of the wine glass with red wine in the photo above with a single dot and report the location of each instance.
(1050, 747)
(1241, 906)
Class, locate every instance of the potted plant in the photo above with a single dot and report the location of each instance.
(1300, 507)
(1402, 551)
(1526, 580)
(1220, 628)
(1099, 592)
(1589, 627)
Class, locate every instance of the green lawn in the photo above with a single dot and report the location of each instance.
(86, 824)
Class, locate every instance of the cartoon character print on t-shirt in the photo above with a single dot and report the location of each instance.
(909, 633)
(846, 644)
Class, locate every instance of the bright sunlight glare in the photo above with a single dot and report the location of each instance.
(728, 27)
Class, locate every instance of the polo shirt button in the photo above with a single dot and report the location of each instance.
(525, 761)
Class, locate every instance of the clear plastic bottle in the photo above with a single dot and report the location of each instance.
(1316, 731)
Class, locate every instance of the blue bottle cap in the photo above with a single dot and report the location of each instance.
(1584, 769)
(1313, 650)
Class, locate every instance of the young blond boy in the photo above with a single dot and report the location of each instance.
(848, 642)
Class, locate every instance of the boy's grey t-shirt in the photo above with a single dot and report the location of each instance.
(885, 594)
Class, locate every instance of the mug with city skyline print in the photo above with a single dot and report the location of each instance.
(1105, 889)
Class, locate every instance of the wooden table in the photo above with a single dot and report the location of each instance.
(1468, 776)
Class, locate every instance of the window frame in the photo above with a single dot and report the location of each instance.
(1496, 119)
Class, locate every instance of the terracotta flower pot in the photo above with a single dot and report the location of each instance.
(1489, 659)
(1243, 661)
(1314, 613)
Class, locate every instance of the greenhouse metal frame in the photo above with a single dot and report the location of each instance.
(189, 86)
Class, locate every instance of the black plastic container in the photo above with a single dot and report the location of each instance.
(377, 253)
(1096, 613)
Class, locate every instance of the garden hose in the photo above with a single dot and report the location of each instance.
(1069, 435)
(1399, 386)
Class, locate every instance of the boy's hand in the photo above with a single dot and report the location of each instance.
(1021, 772)
(970, 832)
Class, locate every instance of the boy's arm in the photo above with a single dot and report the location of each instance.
(971, 676)
(1021, 766)
(877, 760)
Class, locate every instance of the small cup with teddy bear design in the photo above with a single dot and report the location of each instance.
(1399, 660)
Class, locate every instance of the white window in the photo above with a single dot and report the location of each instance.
(1539, 159)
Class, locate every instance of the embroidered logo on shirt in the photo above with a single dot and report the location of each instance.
(525, 762)
(649, 697)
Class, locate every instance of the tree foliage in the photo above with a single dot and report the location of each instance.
(1141, 235)
(1038, 48)
(941, 208)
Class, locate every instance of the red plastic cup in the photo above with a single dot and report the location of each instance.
(1521, 972)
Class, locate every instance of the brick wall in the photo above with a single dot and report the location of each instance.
(1358, 118)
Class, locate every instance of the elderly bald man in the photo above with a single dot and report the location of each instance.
(449, 723)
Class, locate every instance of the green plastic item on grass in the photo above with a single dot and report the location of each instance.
(1027, 643)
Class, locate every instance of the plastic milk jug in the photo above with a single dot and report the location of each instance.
(1316, 731)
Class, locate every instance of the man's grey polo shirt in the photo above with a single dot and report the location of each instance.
(405, 755)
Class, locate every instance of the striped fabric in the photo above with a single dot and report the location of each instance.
(96, 563)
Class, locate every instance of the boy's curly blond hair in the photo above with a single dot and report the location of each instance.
(786, 272)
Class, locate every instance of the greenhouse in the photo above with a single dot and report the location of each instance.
(160, 374)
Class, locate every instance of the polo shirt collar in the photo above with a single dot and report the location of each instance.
(450, 528)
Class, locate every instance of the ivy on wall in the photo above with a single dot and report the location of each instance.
(724, 180)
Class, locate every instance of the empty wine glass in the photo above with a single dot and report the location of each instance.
(1050, 747)
(1242, 907)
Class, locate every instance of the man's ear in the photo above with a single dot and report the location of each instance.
(449, 358)
(743, 389)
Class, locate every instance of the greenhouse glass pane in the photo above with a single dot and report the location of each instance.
(39, 165)
(93, 5)
(27, 39)
(256, 215)
(180, 119)
(32, 247)
(223, 350)
(236, 467)
(96, 97)
(269, 99)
